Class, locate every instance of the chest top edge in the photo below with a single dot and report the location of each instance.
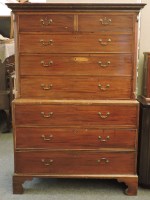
(74, 6)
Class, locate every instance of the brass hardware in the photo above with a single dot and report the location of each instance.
(103, 88)
(44, 43)
(48, 138)
(50, 63)
(104, 140)
(103, 116)
(48, 87)
(47, 115)
(104, 160)
(104, 43)
(105, 21)
(47, 162)
(46, 22)
(104, 65)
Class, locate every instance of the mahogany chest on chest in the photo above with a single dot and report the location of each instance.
(75, 113)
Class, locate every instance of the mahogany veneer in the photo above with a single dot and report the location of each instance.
(75, 113)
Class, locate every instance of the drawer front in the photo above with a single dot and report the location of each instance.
(76, 87)
(79, 138)
(104, 65)
(105, 22)
(85, 115)
(87, 43)
(46, 22)
(75, 162)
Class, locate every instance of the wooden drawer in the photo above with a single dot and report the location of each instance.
(76, 114)
(104, 65)
(105, 22)
(75, 138)
(86, 43)
(46, 22)
(76, 87)
(75, 162)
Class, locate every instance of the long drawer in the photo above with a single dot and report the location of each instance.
(85, 43)
(83, 115)
(76, 87)
(83, 64)
(75, 162)
(74, 138)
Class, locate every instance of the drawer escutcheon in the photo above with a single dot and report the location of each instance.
(104, 88)
(105, 21)
(49, 64)
(104, 140)
(103, 160)
(47, 115)
(44, 43)
(47, 138)
(103, 116)
(46, 21)
(104, 65)
(48, 87)
(47, 162)
(104, 43)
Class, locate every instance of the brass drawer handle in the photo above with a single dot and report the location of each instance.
(44, 43)
(105, 21)
(104, 65)
(47, 138)
(47, 162)
(103, 88)
(103, 140)
(50, 63)
(46, 21)
(103, 116)
(104, 43)
(47, 115)
(48, 87)
(103, 160)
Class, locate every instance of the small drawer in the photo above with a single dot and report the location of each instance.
(105, 22)
(75, 162)
(65, 114)
(104, 65)
(79, 138)
(46, 23)
(75, 87)
(85, 43)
